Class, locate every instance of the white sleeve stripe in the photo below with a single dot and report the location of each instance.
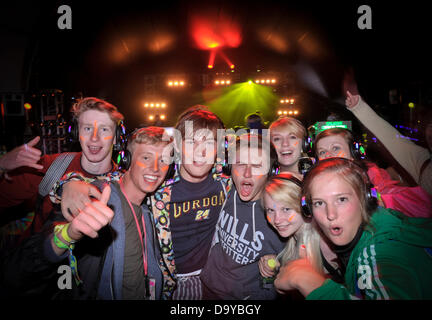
(376, 275)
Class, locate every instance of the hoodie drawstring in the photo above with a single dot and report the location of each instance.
(234, 229)
(253, 221)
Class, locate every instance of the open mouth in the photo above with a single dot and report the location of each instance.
(94, 149)
(336, 231)
(246, 188)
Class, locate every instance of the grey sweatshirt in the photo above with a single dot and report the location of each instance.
(242, 237)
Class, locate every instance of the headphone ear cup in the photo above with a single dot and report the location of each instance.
(371, 198)
(305, 208)
(120, 137)
(306, 146)
(354, 151)
(124, 159)
(171, 171)
(73, 131)
(226, 169)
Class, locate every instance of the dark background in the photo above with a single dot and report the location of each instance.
(36, 55)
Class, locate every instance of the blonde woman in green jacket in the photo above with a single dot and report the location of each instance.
(383, 253)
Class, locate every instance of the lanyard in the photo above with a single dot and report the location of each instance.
(144, 249)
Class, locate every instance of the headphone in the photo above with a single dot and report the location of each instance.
(307, 145)
(124, 158)
(289, 177)
(120, 135)
(274, 167)
(371, 194)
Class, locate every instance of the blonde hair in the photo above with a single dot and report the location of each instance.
(291, 124)
(283, 189)
(148, 135)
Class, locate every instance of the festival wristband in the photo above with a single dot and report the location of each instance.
(60, 244)
(62, 229)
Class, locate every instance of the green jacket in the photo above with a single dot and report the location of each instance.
(392, 260)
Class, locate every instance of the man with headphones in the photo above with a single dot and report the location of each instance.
(113, 237)
(97, 126)
(243, 234)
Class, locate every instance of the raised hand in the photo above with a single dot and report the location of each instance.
(23, 156)
(92, 218)
(76, 195)
(351, 100)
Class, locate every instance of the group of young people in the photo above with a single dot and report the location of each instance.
(180, 222)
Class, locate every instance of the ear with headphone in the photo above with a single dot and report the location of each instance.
(120, 137)
(72, 131)
(306, 145)
(357, 150)
(371, 193)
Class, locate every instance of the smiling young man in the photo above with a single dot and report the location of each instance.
(243, 235)
(23, 168)
(116, 248)
(187, 207)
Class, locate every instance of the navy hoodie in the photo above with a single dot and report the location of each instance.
(231, 271)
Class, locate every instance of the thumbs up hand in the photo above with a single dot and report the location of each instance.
(92, 218)
(25, 155)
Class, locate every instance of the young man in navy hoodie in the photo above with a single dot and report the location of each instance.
(243, 234)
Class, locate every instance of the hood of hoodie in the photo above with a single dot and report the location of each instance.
(387, 224)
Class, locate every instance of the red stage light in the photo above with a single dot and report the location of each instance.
(215, 31)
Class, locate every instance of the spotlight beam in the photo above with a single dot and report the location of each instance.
(211, 59)
(230, 64)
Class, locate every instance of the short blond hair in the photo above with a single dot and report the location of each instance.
(291, 124)
(148, 135)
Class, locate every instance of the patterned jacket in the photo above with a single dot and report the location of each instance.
(159, 200)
